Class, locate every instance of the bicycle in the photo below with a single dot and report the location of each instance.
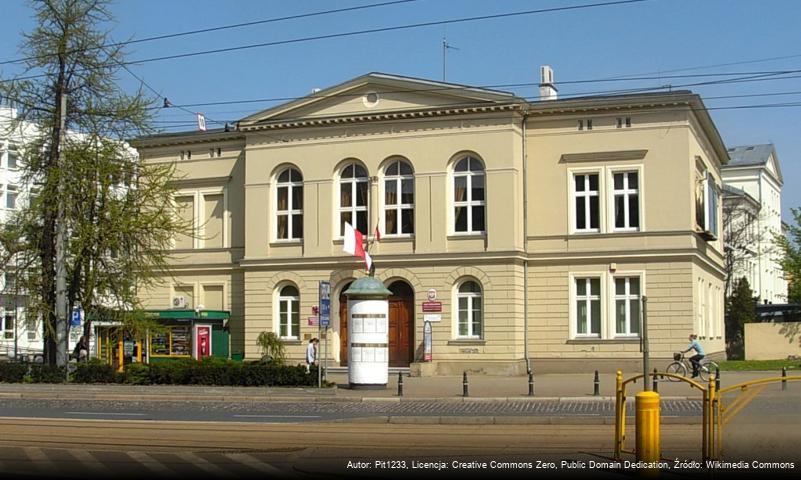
(681, 366)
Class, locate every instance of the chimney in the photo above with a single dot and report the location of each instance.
(547, 90)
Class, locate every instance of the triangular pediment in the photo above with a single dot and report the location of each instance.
(772, 166)
(379, 93)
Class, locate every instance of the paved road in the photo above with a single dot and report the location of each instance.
(277, 411)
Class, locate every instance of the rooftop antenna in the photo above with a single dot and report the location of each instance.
(445, 47)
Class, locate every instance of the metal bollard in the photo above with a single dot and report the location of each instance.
(530, 384)
(784, 375)
(717, 378)
(465, 393)
(656, 382)
(400, 384)
(647, 427)
(596, 385)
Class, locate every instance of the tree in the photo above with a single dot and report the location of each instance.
(115, 207)
(789, 248)
(742, 236)
(741, 309)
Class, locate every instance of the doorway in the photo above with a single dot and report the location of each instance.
(401, 325)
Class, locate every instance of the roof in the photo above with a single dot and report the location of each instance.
(750, 155)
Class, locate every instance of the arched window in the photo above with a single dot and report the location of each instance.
(353, 197)
(289, 312)
(399, 199)
(468, 196)
(289, 205)
(471, 314)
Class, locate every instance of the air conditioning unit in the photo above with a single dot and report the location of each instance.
(178, 302)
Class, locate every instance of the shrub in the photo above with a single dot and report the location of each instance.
(271, 346)
(13, 372)
(171, 372)
(48, 374)
(94, 371)
(214, 371)
(136, 374)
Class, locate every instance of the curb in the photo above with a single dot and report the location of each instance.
(504, 420)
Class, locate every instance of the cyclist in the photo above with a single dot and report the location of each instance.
(695, 360)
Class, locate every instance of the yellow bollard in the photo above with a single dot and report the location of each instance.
(647, 430)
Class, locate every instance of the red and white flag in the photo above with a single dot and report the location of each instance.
(354, 244)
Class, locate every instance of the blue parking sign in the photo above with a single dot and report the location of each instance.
(325, 304)
(77, 315)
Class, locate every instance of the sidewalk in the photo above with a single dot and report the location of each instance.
(443, 388)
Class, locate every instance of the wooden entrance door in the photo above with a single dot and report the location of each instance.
(401, 325)
(343, 328)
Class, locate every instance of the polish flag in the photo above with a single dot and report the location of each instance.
(354, 244)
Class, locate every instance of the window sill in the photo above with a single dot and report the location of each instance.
(287, 243)
(291, 341)
(397, 239)
(602, 341)
(467, 236)
(459, 342)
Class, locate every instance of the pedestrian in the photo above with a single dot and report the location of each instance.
(695, 360)
(311, 353)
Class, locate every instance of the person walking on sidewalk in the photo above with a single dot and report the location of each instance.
(311, 354)
(695, 360)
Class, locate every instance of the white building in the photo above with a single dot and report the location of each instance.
(17, 333)
(752, 187)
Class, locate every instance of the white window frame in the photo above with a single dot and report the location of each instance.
(626, 192)
(199, 212)
(12, 148)
(628, 297)
(710, 183)
(290, 211)
(399, 207)
(469, 203)
(574, 194)
(574, 298)
(353, 209)
(279, 299)
(471, 335)
(12, 189)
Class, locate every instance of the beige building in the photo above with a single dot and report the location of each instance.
(539, 224)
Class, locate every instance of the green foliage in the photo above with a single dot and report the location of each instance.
(790, 257)
(740, 309)
(13, 372)
(272, 348)
(171, 372)
(94, 371)
(137, 374)
(760, 365)
(48, 374)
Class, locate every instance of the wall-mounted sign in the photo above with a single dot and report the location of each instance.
(313, 321)
(432, 306)
(432, 317)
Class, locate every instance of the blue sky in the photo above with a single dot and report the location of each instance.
(654, 38)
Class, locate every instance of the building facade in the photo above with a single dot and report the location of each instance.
(19, 335)
(539, 225)
(754, 171)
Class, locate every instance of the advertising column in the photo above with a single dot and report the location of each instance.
(368, 334)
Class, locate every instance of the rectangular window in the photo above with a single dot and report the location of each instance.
(588, 307)
(11, 197)
(587, 209)
(627, 306)
(13, 159)
(7, 325)
(185, 211)
(213, 211)
(626, 200)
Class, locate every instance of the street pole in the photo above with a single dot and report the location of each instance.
(62, 329)
(644, 329)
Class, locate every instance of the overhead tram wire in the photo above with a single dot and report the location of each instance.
(225, 27)
(456, 88)
(381, 30)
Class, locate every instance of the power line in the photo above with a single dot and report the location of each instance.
(225, 27)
